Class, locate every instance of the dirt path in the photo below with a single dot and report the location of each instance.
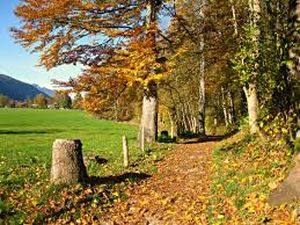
(176, 194)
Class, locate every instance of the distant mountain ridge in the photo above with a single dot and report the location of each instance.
(47, 91)
(18, 90)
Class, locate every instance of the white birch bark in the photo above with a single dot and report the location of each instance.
(251, 90)
(252, 103)
(235, 24)
(202, 76)
(231, 112)
(224, 106)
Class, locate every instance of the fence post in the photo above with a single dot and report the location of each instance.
(125, 152)
(143, 139)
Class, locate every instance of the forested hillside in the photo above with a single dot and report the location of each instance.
(16, 89)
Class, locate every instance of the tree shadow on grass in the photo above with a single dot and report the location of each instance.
(24, 132)
(131, 177)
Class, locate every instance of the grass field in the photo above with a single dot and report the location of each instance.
(26, 138)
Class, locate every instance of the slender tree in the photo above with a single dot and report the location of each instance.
(294, 54)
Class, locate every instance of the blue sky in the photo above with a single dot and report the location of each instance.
(16, 62)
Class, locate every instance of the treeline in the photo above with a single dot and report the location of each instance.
(188, 65)
(60, 100)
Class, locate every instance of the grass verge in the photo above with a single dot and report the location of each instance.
(245, 171)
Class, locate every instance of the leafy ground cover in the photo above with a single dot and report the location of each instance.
(245, 171)
(177, 194)
(202, 183)
(26, 138)
(225, 182)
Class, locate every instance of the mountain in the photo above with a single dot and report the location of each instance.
(47, 91)
(16, 89)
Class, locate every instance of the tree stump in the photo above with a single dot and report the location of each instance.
(67, 162)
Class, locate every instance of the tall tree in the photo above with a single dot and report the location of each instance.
(202, 74)
(247, 62)
(251, 88)
(188, 33)
(294, 54)
(148, 126)
(108, 37)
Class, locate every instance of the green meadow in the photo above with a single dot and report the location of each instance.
(26, 138)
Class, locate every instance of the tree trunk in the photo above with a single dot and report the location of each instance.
(231, 113)
(202, 78)
(187, 117)
(149, 111)
(195, 127)
(116, 110)
(295, 56)
(184, 120)
(67, 162)
(235, 24)
(251, 91)
(224, 106)
(172, 128)
(149, 114)
(252, 102)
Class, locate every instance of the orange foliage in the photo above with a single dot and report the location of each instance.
(126, 54)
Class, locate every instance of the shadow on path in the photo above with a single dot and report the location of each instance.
(132, 177)
(202, 139)
(209, 138)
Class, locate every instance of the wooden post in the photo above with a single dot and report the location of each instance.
(67, 162)
(215, 121)
(143, 139)
(125, 152)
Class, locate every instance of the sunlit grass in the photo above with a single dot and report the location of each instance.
(26, 137)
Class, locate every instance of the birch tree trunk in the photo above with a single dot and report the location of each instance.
(202, 76)
(251, 90)
(235, 24)
(252, 103)
(224, 106)
(172, 128)
(231, 111)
